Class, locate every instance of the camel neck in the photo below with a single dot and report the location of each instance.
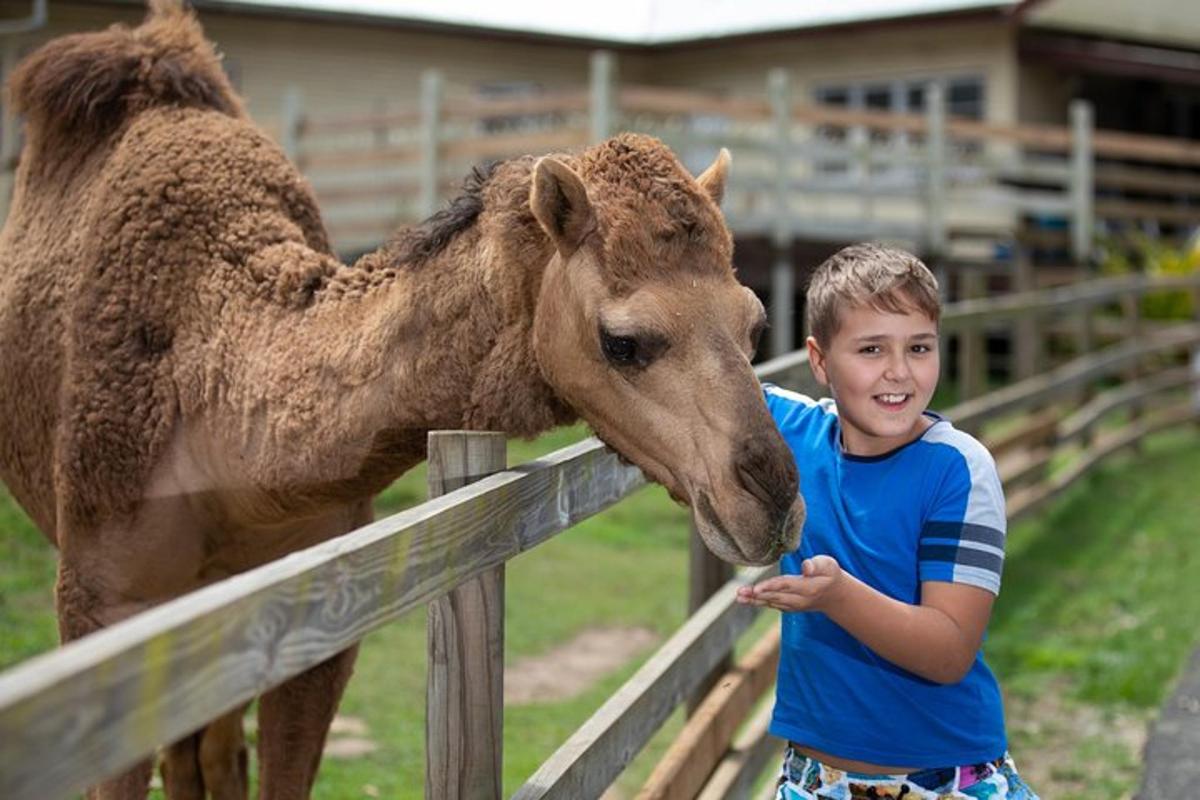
(456, 319)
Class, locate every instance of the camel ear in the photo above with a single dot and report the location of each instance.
(560, 203)
(712, 180)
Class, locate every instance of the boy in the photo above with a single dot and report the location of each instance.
(882, 689)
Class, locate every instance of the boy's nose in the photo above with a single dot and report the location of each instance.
(897, 368)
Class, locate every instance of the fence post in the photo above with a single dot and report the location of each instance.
(431, 122)
(1082, 182)
(972, 339)
(707, 574)
(935, 151)
(1028, 345)
(782, 312)
(291, 122)
(464, 715)
(603, 78)
(1131, 305)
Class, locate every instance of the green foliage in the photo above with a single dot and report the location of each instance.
(1152, 257)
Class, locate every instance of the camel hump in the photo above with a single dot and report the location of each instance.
(91, 82)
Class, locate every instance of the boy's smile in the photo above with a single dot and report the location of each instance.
(881, 368)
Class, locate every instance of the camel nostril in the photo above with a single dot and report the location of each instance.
(766, 476)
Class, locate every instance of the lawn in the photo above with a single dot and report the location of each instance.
(1095, 619)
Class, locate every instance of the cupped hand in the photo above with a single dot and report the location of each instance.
(812, 590)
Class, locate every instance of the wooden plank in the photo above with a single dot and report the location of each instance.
(389, 190)
(1077, 425)
(361, 157)
(1155, 181)
(1061, 381)
(1026, 501)
(111, 698)
(588, 762)
(464, 709)
(1062, 299)
(490, 108)
(735, 777)
(685, 768)
(508, 144)
(791, 371)
(1019, 467)
(1137, 209)
(1115, 144)
(403, 118)
(1038, 429)
(659, 100)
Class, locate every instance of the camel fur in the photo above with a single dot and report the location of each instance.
(195, 386)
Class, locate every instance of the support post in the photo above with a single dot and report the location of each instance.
(291, 122)
(972, 355)
(464, 714)
(1028, 344)
(1131, 305)
(935, 189)
(1082, 182)
(603, 78)
(707, 574)
(431, 123)
(783, 282)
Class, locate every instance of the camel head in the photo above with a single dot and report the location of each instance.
(643, 329)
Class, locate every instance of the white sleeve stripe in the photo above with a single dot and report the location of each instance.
(985, 504)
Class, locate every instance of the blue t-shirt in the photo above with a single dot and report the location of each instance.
(932, 510)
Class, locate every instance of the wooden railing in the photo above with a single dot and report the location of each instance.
(97, 705)
(980, 196)
(929, 180)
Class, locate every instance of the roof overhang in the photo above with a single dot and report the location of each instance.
(1099, 56)
(1166, 23)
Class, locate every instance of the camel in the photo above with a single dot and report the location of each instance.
(194, 385)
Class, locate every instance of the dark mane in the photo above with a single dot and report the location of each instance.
(420, 243)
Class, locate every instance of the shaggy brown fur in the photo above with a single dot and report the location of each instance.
(195, 386)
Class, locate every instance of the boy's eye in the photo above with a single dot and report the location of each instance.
(870, 349)
(921, 348)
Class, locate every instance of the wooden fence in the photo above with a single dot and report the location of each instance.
(97, 705)
(993, 197)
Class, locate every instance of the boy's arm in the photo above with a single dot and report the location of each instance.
(936, 640)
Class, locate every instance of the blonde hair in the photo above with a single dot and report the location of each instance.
(872, 276)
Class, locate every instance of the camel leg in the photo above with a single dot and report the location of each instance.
(293, 720)
(223, 758)
(181, 769)
(83, 609)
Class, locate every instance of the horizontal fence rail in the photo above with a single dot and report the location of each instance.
(930, 180)
(97, 705)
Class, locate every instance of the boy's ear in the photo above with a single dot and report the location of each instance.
(816, 361)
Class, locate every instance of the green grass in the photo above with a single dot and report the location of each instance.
(1095, 619)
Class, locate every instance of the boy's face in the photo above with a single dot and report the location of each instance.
(881, 368)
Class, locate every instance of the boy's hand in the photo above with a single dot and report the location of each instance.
(812, 590)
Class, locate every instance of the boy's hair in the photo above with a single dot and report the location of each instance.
(873, 276)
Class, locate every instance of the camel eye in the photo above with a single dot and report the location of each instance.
(621, 351)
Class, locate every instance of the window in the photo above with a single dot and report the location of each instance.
(964, 96)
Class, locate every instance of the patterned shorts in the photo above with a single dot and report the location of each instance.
(804, 778)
